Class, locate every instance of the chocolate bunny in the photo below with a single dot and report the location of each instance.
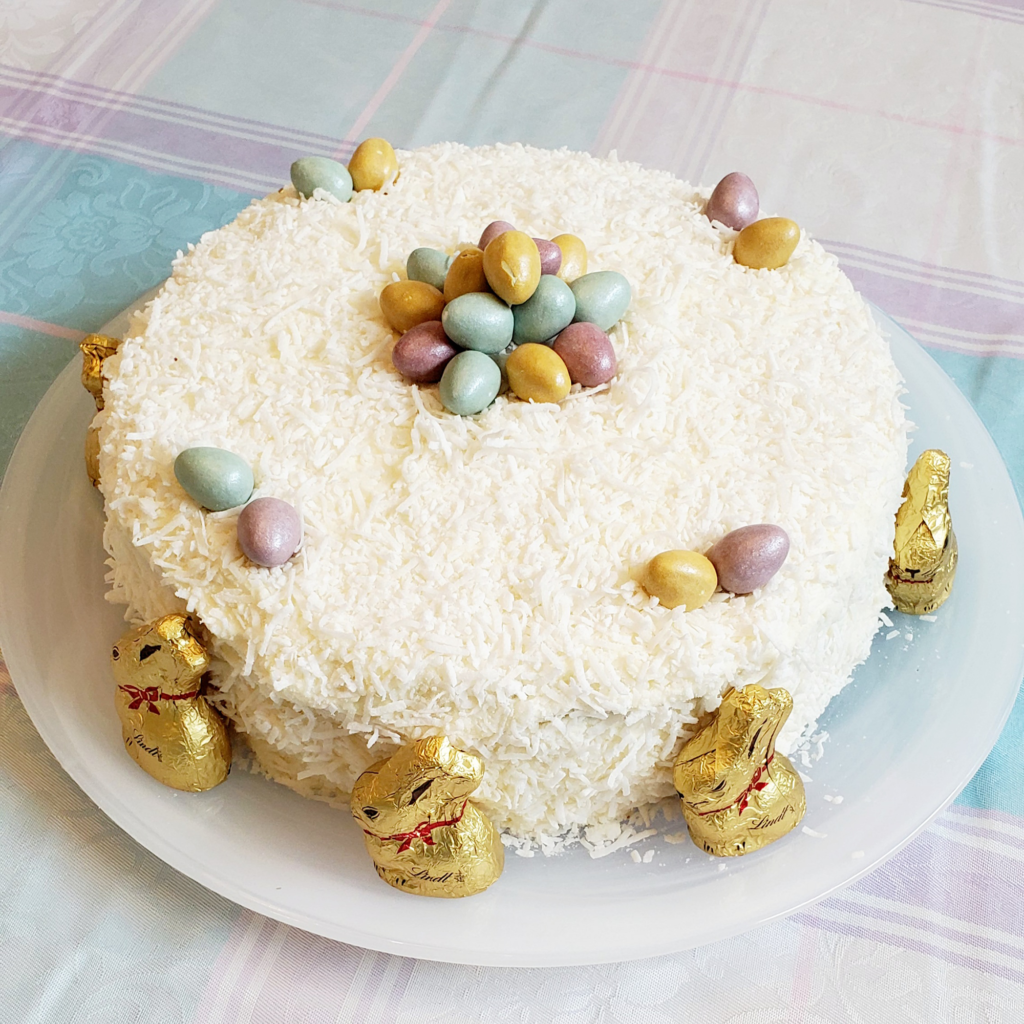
(419, 827)
(168, 728)
(738, 794)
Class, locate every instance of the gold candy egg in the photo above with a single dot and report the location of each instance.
(574, 257)
(512, 266)
(408, 303)
(766, 244)
(466, 274)
(373, 164)
(537, 373)
(677, 578)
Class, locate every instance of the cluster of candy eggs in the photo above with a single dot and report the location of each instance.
(741, 562)
(269, 530)
(372, 166)
(513, 302)
(761, 244)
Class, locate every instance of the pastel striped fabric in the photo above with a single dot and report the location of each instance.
(892, 129)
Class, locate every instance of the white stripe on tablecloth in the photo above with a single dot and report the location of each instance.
(992, 846)
(965, 341)
(233, 971)
(142, 156)
(164, 111)
(260, 971)
(980, 819)
(355, 990)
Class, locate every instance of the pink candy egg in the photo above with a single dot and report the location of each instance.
(550, 256)
(749, 557)
(422, 353)
(587, 353)
(734, 202)
(269, 531)
(495, 228)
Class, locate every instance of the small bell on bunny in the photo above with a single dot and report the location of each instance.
(738, 794)
(419, 828)
(168, 728)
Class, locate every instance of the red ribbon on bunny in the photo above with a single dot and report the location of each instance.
(421, 831)
(756, 785)
(151, 694)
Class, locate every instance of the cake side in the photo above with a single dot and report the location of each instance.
(477, 576)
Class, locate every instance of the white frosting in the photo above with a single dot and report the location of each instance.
(475, 576)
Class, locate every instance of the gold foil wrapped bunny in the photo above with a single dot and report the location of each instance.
(95, 349)
(420, 829)
(738, 794)
(920, 576)
(168, 727)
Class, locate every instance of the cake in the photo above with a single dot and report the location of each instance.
(477, 576)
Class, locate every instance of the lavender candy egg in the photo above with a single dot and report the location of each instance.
(550, 256)
(495, 228)
(749, 557)
(734, 202)
(269, 531)
(587, 353)
(422, 353)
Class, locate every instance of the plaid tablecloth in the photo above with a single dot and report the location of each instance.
(892, 129)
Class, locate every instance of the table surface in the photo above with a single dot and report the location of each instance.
(890, 129)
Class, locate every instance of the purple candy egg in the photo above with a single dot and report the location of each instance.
(495, 228)
(422, 353)
(269, 531)
(734, 202)
(749, 557)
(550, 256)
(587, 353)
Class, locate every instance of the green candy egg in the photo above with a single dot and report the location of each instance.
(478, 320)
(546, 312)
(601, 298)
(430, 265)
(470, 383)
(214, 478)
(312, 172)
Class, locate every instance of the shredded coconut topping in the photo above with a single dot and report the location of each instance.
(476, 576)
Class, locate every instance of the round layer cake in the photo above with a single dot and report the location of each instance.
(477, 576)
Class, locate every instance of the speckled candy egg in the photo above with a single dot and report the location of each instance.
(601, 298)
(495, 228)
(478, 320)
(269, 531)
(536, 373)
(550, 256)
(574, 257)
(214, 478)
(512, 266)
(587, 353)
(421, 354)
(408, 303)
(749, 557)
(465, 274)
(312, 172)
(734, 202)
(373, 164)
(680, 578)
(766, 244)
(429, 265)
(470, 383)
(550, 308)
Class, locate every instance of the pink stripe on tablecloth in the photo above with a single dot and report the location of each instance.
(41, 326)
(395, 74)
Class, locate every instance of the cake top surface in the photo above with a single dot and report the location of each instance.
(477, 575)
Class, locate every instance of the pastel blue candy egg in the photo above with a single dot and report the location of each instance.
(601, 298)
(550, 308)
(214, 478)
(470, 383)
(312, 172)
(478, 320)
(430, 265)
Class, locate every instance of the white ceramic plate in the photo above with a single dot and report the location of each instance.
(901, 745)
